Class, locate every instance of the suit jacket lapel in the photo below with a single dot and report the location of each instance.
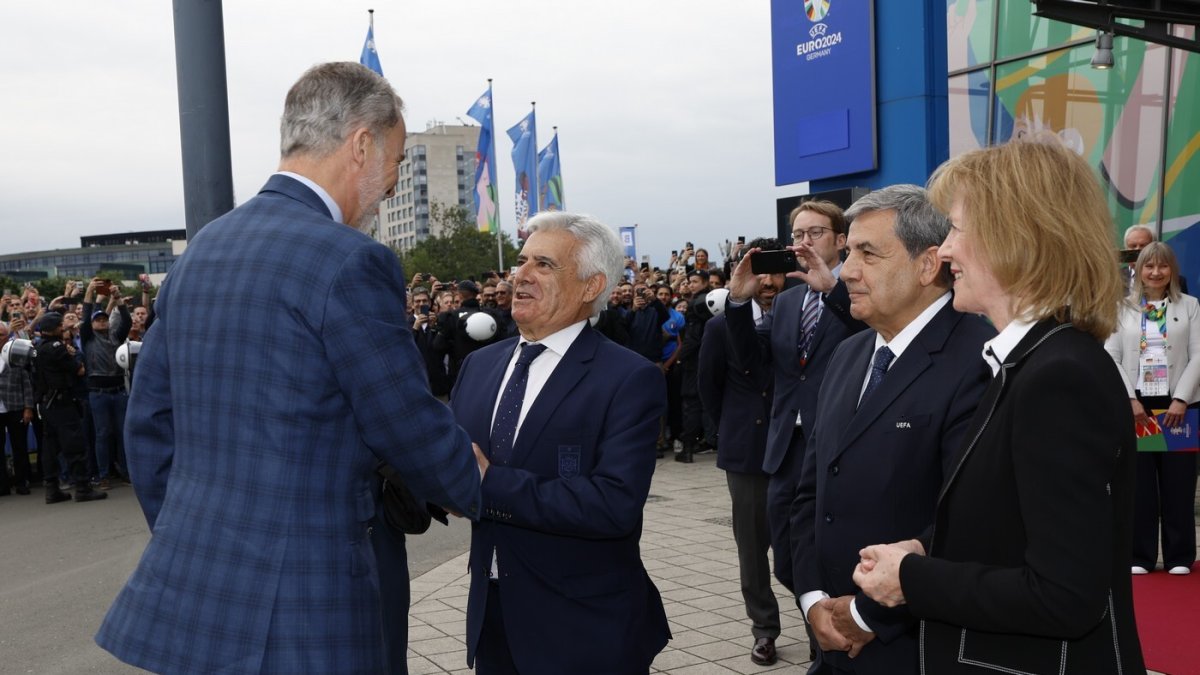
(569, 371)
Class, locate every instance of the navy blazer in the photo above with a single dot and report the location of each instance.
(252, 450)
(796, 382)
(738, 400)
(564, 514)
(1028, 565)
(872, 473)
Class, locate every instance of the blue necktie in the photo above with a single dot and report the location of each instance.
(504, 429)
(879, 366)
(808, 322)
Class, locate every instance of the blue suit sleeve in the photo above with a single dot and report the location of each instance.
(607, 502)
(381, 373)
(150, 423)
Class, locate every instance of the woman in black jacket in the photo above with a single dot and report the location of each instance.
(1026, 569)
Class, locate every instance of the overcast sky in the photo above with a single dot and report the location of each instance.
(663, 108)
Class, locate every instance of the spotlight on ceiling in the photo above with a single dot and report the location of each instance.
(1103, 58)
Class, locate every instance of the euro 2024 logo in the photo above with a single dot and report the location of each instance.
(820, 42)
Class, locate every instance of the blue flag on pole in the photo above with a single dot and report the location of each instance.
(487, 215)
(524, 156)
(550, 188)
(370, 57)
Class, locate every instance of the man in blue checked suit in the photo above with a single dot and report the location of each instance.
(568, 421)
(253, 451)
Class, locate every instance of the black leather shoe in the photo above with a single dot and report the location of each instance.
(57, 496)
(685, 457)
(22, 489)
(90, 495)
(764, 651)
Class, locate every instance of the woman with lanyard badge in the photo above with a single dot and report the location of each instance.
(1157, 348)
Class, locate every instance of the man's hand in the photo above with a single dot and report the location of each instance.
(481, 459)
(820, 619)
(419, 320)
(878, 573)
(818, 277)
(844, 623)
(743, 283)
(27, 416)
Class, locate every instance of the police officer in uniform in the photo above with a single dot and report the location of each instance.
(56, 372)
(452, 337)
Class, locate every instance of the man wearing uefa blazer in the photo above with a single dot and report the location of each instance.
(253, 451)
(887, 429)
(568, 422)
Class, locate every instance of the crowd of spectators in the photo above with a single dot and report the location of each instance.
(96, 321)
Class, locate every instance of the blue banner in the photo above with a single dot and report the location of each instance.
(550, 189)
(370, 57)
(487, 214)
(524, 156)
(825, 46)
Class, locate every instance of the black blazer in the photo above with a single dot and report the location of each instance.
(796, 383)
(738, 400)
(872, 473)
(1029, 557)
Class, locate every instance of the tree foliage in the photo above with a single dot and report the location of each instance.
(459, 251)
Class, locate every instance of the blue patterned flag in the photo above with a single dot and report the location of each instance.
(487, 215)
(550, 188)
(370, 57)
(524, 156)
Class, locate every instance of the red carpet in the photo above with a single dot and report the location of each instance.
(1168, 617)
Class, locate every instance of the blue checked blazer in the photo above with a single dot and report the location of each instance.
(254, 426)
(564, 513)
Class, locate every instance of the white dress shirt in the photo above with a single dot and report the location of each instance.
(998, 348)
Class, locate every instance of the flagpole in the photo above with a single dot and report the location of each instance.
(533, 186)
(492, 154)
(372, 13)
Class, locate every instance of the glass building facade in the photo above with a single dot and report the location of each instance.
(1013, 75)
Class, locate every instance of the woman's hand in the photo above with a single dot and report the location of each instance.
(1174, 416)
(1139, 413)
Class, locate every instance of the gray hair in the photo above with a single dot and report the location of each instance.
(1134, 228)
(600, 250)
(918, 224)
(329, 102)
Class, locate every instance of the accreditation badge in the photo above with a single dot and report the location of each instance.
(1154, 379)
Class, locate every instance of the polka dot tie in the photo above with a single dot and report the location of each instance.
(504, 429)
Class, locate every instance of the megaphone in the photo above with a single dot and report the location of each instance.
(127, 354)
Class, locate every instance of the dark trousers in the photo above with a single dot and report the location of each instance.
(492, 656)
(1166, 492)
(693, 409)
(781, 492)
(11, 423)
(108, 414)
(62, 434)
(391, 559)
(674, 403)
(748, 495)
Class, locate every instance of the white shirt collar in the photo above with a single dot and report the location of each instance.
(904, 338)
(996, 350)
(335, 211)
(559, 342)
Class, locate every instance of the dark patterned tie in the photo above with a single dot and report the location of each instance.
(879, 366)
(504, 429)
(808, 322)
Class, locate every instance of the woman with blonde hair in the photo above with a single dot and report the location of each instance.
(1157, 348)
(1026, 566)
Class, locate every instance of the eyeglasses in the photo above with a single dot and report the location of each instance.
(813, 233)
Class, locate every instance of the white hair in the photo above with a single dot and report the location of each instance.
(599, 252)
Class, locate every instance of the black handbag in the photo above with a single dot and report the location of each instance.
(401, 510)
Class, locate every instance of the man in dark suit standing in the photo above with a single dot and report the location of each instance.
(887, 430)
(808, 325)
(740, 401)
(253, 452)
(568, 423)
